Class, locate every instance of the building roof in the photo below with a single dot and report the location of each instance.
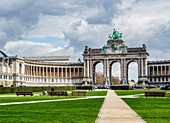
(48, 58)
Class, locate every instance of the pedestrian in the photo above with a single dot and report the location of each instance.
(52, 89)
(44, 92)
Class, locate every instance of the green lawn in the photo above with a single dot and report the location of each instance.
(132, 92)
(33, 98)
(84, 111)
(96, 93)
(47, 97)
(152, 110)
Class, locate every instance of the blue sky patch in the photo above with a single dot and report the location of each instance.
(55, 41)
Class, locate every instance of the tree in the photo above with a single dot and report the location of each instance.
(100, 78)
(115, 81)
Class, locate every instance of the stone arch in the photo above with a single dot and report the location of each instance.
(95, 62)
(127, 67)
(110, 69)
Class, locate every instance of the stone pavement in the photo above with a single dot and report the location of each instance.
(115, 110)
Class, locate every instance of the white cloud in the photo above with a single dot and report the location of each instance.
(29, 48)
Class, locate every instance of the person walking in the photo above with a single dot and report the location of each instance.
(52, 89)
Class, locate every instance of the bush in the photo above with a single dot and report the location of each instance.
(34, 89)
(120, 87)
(83, 87)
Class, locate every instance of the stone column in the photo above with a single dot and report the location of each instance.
(54, 71)
(58, 72)
(145, 70)
(46, 71)
(142, 67)
(82, 73)
(33, 70)
(153, 70)
(85, 67)
(50, 71)
(161, 70)
(108, 73)
(157, 71)
(148, 70)
(74, 71)
(39, 70)
(30, 71)
(107, 68)
(62, 72)
(66, 72)
(70, 72)
(78, 72)
(125, 72)
(43, 71)
(91, 69)
(104, 70)
(139, 68)
(121, 69)
(165, 70)
(168, 73)
(36, 70)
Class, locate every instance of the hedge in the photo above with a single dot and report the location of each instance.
(34, 89)
(120, 87)
(83, 87)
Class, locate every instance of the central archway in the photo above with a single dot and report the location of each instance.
(115, 76)
(97, 68)
(132, 73)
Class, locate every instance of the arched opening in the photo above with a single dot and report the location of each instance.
(115, 73)
(98, 73)
(132, 73)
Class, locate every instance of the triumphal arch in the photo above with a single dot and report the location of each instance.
(115, 51)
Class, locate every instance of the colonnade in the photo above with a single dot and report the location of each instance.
(159, 73)
(58, 72)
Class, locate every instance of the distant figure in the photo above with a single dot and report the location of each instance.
(45, 92)
(52, 89)
(90, 88)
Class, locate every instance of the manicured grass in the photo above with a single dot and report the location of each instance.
(96, 93)
(84, 111)
(33, 98)
(132, 92)
(47, 97)
(152, 110)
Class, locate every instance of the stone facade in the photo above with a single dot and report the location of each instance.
(108, 56)
(23, 72)
(159, 72)
(40, 71)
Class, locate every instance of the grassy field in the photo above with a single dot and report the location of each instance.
(132, 92)
(152, 110)
(84, 111)
(46, 97)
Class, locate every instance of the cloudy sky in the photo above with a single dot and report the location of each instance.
(64, 27)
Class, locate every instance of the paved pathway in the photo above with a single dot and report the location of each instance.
(115, 110)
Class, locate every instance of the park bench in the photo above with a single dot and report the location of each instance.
(58, 93)
(78, 93)
(24, 93)
(155, 94)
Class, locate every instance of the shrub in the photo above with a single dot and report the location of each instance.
(34, 89)
(83, 87)
(120, 87)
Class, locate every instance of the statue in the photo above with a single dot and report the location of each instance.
(115, 35)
